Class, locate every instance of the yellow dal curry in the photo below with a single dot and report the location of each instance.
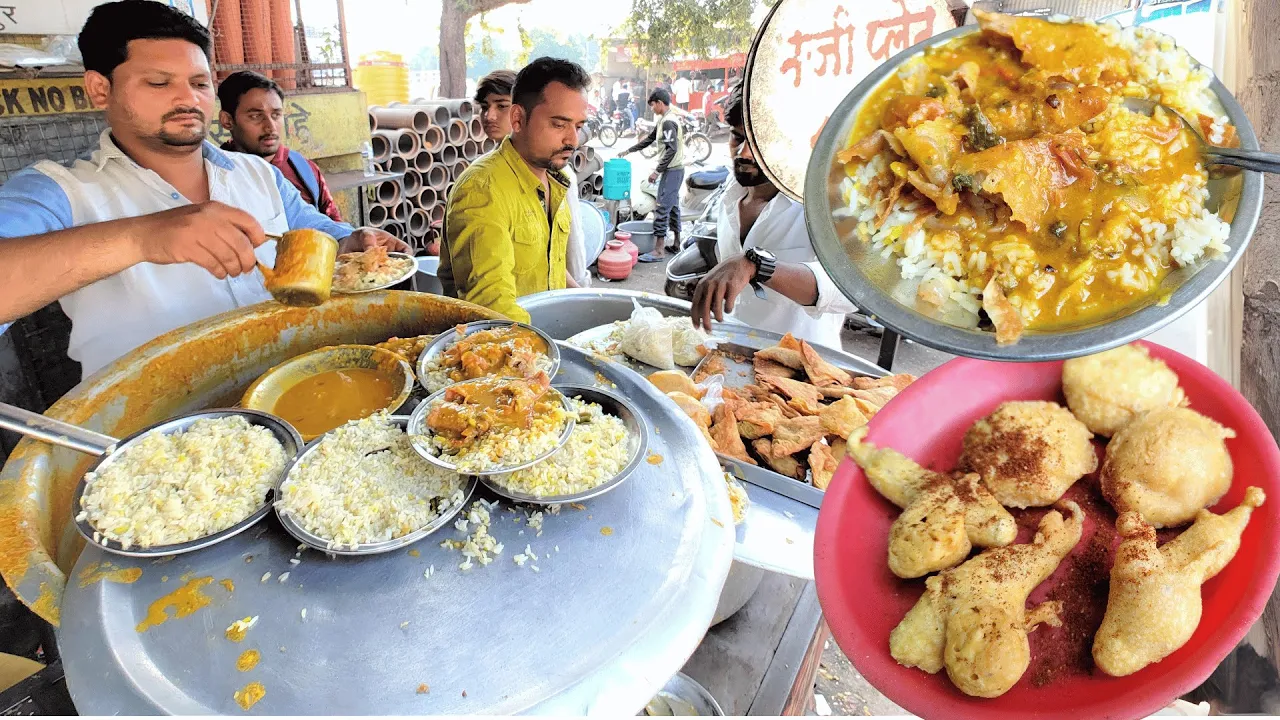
(1004, 174)
(322, 402)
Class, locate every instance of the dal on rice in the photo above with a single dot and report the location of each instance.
(1005, 175)
(599, 447)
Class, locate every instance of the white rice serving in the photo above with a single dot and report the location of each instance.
(364, 483)
(177, 487)
(598, 449)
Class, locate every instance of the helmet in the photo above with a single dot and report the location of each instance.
(691, 264)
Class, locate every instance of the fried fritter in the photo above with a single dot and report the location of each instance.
(692, 407)
(973, 619)
(1154, 604)
(823, 464)
(759, 419)
(899, 381)
(943, 516)
(792, 389)
(783, 464)
(842, 418)
(783, 356)
(1107, 390)
(1167, 465)
(821, 372)
(796, 434)
(765, 366)
(1029, 452)
(669, 381)
(724, 435)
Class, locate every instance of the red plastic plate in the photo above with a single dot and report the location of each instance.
(863, 601)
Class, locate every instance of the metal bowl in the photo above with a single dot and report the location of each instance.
(447, 338)
(870, 281)
(684, 696)
(282, 431)
(410, 272)
(418, 427)
(265, 392)
(612, 405)
(310, 539)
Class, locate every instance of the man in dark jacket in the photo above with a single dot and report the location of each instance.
(252, 110)
(669, 174)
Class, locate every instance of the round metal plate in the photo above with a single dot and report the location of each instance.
(875, 285)
(599, 629)
(612, 405)
(283, 432)
(445, 339)
(403, 276)
(418, 426)
(809, 53)
(306, 537)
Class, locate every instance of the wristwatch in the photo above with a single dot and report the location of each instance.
(766, 263)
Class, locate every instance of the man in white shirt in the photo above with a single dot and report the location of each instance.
(762, 242)
(681, 89)
(158, 228)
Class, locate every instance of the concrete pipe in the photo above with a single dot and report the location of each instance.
(397, 164)
(373, 122)
(447, 155)
(439, 113)
(388, 193)
(591, 152)
(436, 178)
(456, 132)
(419, 220)
(381, 146)
(432, 139)
(395, 229)
(412, 183)
(598, 182)
(403, 118)
(426, 197)
(577, 160)
(377, 215)
(462, 109)
(488, 145)
(586, 189)
(458, 168)
(470, 149)
(406, 144)
(477, 129)
(593, 165)
(437, 214)
(423, 161)
(402, 211)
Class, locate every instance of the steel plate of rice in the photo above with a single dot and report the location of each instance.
(504, 351)
(492, 423)
(173, 488)
(1016, 190)
(364, 483)
(598, 449)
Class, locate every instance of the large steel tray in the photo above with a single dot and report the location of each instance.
(624, 591)
(777, 534)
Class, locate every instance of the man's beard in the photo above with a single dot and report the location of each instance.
(185, 139)
(554, 162)
(748, 173)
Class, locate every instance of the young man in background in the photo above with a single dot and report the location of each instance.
(669, 174)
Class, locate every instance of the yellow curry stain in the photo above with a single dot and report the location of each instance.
(179, 358)
(184, 601)
(414, 553)
(606, 531)
(96, 572)
(226, 583)
(248, 660)
(655, 459)
(249, 695)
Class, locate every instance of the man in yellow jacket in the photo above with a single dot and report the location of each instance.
(506, 228)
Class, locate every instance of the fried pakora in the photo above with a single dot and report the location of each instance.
(823, 464)
(724, 435)
(1029, 453)
(1167, 465)
(973, 619)
(669, 381)
(842, 418)
(1107, 390)
(943, 516)
(1154, 603)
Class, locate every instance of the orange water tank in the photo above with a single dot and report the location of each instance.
(255, 18)
(282, 49)
(228, 48)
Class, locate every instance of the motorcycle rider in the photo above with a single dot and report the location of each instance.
(669, 174)
(762, 241)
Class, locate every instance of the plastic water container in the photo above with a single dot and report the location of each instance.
(617, 179)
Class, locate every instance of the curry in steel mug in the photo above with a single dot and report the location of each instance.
(303, 275)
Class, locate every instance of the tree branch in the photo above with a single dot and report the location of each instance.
(476, 7)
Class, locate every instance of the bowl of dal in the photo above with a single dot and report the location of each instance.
(323, 389)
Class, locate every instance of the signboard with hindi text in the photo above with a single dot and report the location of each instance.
(807, 55)
(66, 17)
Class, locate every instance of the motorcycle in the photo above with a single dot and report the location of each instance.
(711, 123)
(698, 256)
(612, 128)
(697, 146)
(701, 193)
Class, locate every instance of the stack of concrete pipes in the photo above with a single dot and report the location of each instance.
(587, 167)
(431, 142)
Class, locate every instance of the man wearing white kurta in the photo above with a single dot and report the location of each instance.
(762, 242)
(158, 228)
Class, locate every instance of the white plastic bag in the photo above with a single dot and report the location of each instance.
(712, 392)
(685, 341)
(647, 338)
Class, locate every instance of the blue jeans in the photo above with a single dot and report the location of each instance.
(667, 215)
